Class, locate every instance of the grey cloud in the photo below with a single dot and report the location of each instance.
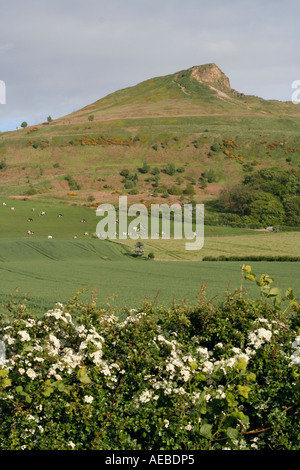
(58, 56)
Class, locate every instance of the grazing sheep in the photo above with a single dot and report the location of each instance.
(42, 213)
(86, 233)
(83, 220)
(29, 220)
(12, 208)
(4, 204)
(60, 215)
(30, 232)
(50, 236)
(75, 236)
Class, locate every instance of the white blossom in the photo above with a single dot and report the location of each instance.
(24, 335)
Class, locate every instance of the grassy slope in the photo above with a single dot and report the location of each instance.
(177, 113)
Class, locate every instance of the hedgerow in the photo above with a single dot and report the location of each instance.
(214, 376)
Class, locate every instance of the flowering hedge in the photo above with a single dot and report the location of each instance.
(212, 376)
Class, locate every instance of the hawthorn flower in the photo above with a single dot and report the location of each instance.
(88, 399)
(24, 335)
(258, 337)
(31, 374)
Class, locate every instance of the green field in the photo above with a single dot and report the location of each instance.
(47, 271)
(50, 271)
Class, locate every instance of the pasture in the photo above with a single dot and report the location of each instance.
(47, 271)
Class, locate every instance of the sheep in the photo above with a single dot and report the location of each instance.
(75, 236)
(29, 220)
(86, 233)
(60, 215)
(83, 220)
(12, 208)
(30, 232)
(4, 204)
(42, 213)
(50, 236)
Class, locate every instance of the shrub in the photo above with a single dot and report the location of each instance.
(124, 172)
(31, 191)
(170, 169)
(189, 189)
(128, 184)
(181, 169)
(139, 248)
(175, 190)
(215, 376)
(73, 185)
(145, 168)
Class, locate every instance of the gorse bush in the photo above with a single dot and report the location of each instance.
(222, 376)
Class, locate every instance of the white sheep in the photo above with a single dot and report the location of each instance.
(50, 236)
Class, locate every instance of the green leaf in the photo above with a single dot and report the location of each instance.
(47, 392)
(251, 376)
(290, 293)
(230, 399)
(200, 377)
(240, 364)
(244, 390)
(232, 433)
(83, 377)
(250, 277)
(274, 292)
(3, 372)
(28, 398)
(6, 383)
(206, 430)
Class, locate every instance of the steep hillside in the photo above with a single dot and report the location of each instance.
(181, 136)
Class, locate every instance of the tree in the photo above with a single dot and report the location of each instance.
(267, 209)
(49, 119)
(139, 248)
(91, 117)
(24, 124)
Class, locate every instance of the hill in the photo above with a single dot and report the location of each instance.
(209, 134)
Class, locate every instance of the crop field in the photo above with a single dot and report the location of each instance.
(46, 271)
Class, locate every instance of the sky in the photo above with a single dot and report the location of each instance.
(59, 56)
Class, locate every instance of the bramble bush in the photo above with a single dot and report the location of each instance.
(207, 377)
